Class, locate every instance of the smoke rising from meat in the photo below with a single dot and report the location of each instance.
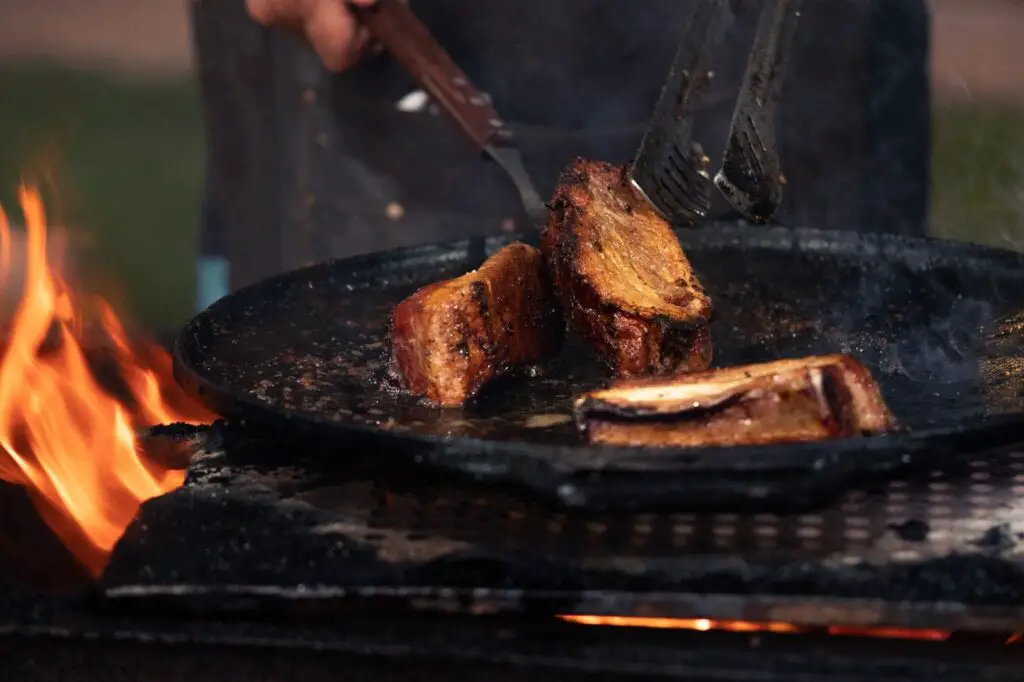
(935, 334)
(948, 350)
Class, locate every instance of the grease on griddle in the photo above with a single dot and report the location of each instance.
(546, 421)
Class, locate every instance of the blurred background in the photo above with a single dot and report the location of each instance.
(99, 95)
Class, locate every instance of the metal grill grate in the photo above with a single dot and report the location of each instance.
(945, 547)
(977, 510)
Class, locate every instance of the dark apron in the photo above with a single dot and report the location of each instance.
(305, 166)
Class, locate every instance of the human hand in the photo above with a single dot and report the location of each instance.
(328, 25)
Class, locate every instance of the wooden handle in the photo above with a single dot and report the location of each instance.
(399, 30)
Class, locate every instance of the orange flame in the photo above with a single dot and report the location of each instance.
(699, 624)
(63, 436)
(705, 625)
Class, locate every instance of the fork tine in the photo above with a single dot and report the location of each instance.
(670, 168)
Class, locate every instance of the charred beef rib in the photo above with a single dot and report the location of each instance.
(814, 398)
(622, 277)
(451, 337)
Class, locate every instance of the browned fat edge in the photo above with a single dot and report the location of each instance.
(405, 367)
(687, 348)
(862, 379)
(590, 410)
(473, 331)
(482, 332)
(523, 341)
(722, 419)
(593, 409)
(833, 398)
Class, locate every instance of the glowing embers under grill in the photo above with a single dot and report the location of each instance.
(708, 625)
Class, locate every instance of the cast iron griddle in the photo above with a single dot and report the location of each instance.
(939, 323)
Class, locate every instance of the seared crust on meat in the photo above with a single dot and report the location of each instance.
(451, 337)
(814, 398)
(622, 277)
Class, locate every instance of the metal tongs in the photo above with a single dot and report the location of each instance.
(751, 177)
(670, 168)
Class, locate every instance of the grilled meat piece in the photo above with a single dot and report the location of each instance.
(622, 277)
(451, 337)
(814, 398)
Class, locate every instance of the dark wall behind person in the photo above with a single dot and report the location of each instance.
(305, 164)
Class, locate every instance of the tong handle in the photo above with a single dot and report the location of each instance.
(400, 31)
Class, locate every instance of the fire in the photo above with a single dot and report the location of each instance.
(64, 436)
(705, 625)
(699, 624)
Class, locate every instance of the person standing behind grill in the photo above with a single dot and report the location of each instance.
(312, 158)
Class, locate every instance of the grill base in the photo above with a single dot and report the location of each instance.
(261, 569)
(89, 646)
(259, 529)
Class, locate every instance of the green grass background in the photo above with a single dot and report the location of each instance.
(127, 161)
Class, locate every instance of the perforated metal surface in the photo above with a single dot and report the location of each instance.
(246, 533)
(901, 520)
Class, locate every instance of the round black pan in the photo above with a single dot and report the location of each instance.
(939, 323)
